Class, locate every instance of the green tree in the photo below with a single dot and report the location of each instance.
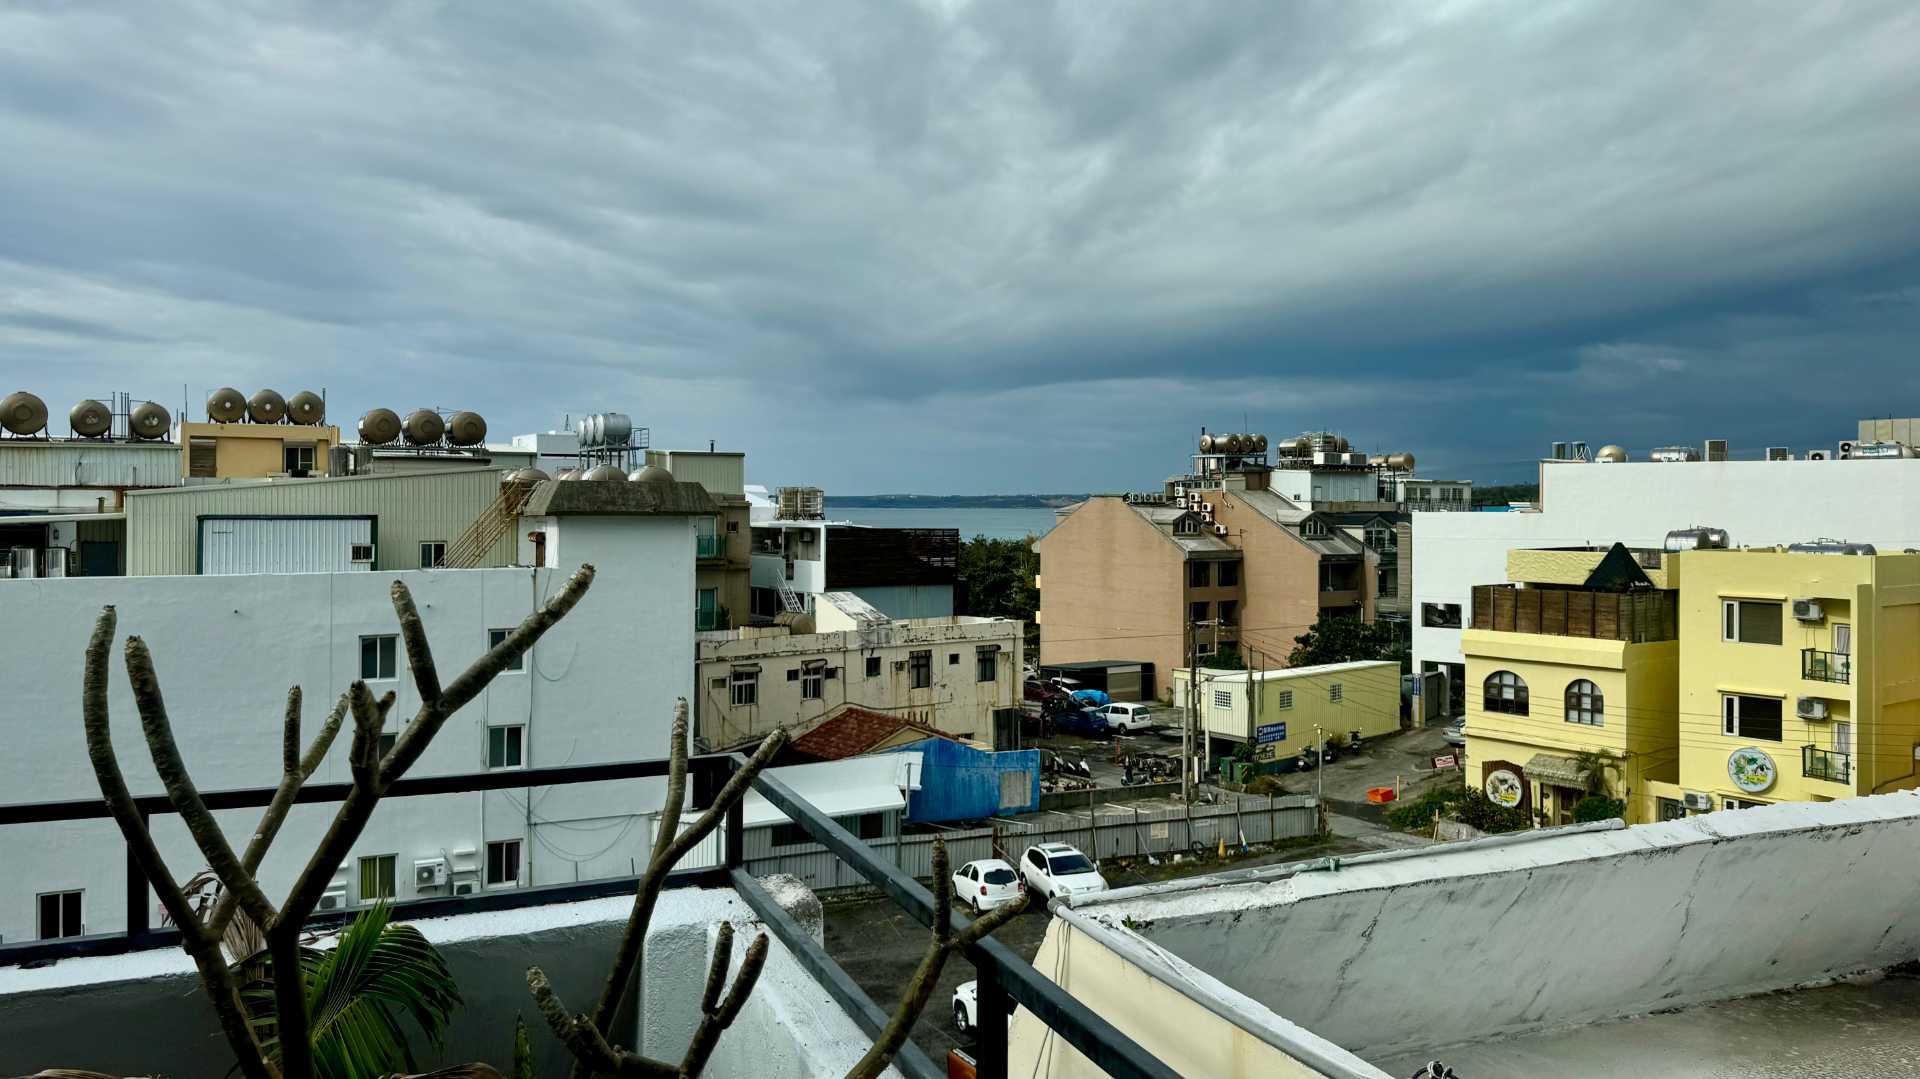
(999, 580)
(1346, 639)
(1226, 658)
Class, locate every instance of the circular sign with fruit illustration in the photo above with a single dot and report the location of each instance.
(1751, 770)
(1503, 788)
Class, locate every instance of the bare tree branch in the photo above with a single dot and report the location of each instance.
(180, 787)
(584, 1040)
(717, 1015)
(426, 676)
(201, 945)
(676, 781)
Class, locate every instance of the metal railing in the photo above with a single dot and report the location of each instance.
(714, 546)
(1819, 666)
(1828, 764)
(1004, 978)
(706, 619)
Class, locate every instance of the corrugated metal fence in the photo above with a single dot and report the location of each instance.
(1112, 832)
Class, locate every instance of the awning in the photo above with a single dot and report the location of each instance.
(1563, 771)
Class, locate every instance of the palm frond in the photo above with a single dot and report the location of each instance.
(358, 992)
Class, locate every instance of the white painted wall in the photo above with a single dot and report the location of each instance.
(600, 687)
(1416, 951)
(1311, 488)
(1759, 503)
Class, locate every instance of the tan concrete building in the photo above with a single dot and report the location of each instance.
(723, 574)
(1130, 577)
(255, 450)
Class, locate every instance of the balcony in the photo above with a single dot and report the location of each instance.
(1818, 666)
(711, 547)
(706, 619)
(1827, 764)
(1634, 617)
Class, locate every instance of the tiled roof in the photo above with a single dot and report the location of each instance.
(855, 731)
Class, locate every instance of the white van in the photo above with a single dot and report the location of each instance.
(1129, 717)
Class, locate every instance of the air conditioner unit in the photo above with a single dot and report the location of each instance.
(360, 552)
(1818, 455)
(1695, 800)
(466, 887)
(1808, 610)
(1779, 453)
(1845, 450)
(1810, 708)
(430, 873)
(1219, 530)
(1206, 507)
(333, 899)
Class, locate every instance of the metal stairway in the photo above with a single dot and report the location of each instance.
(469, 549)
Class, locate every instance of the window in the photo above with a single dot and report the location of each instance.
(745, 682)
(1336, 693)
(433, 554)
(813, 680)
(864, 826)
(297, 458)
(202, 457)
(498, 637)
(386, 744)
(379, 657)
(1229, 574)
(1505, 692)
(1283, 700)
(1741, 803)
(1584, 704)
(920, 669)
(1440, 615)
(1199, 574)
(733, 526)
(60, 914)
(953, 659)
(706, 609)
(503, 862)
(1750, 622)
(873, 666)
(506, 746)
(1379, 537)
(1750, 717)
(1229, 611)
(986, 664)
(1185, 526)
(1199, 612)
(376, 877)
(1313, 527)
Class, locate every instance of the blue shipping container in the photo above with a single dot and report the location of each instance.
(959, 782)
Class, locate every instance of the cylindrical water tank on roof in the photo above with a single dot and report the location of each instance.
(466, 429)
(149, 421)
(528, 475)
(379, 427)
(267, 406)
(616, 428)
(1259, 443)
(89, 419)
(604, 472)
(423, 427)
(306, 408)
(1400, 462)
(226, 405)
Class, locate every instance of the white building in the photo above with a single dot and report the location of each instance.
(1637, 503)
(950, 673)
(905, 572)
(599, 687)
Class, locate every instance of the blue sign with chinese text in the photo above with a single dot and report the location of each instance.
(1271, 732)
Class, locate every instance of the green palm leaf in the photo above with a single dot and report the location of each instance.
(358, 994)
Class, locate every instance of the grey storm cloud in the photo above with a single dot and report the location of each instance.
(953, 246)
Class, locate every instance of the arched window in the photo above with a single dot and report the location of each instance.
(1505, 691)
(1584, 704)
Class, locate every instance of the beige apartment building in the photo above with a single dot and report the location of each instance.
(723, 570)
(951, 673)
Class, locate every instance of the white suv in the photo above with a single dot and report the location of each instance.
(1128, 717)
(1055, 869)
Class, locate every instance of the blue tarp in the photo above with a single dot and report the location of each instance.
(959, 782)
(1095, 697)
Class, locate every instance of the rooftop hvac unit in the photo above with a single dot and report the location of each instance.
(430, 872)
(1206, 507)
(1779, 453)
(1673, 454)
(1818, 455)
(1844, 450)
(55, 562)
(1810, 708)
(1219, 530)
(1697, 801)
(1808, 610)
(333, 899)
(1716, 449)
(466, 887)
(1559, 451)
(1578, 452)
(26, 562)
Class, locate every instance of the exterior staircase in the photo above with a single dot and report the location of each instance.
(789, 599)
(470, 548)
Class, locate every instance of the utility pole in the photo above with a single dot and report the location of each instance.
(1186, 723)
(1320, 768)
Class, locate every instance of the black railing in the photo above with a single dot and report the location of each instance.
(1004, 978)
(1829, 764)
(1819, 666)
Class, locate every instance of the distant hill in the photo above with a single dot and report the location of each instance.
(955, 502)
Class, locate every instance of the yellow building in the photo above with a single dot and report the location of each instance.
(1579, 657)
(1291, 702)
(1799, 675)
(255, 450)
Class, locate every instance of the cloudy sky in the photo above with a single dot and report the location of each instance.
(980, 247)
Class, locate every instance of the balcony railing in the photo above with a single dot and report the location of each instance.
(1828, 764)
(711, 547)
(1004, 978)
(706, 619)
(1819, 666)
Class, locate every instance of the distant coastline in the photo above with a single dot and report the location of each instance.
(951, 502)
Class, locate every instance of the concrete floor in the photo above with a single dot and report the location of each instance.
(1862, 1028)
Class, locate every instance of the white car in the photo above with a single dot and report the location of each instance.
(986, 884)
(966, 1007)
(1056, 869)
(1128, 718)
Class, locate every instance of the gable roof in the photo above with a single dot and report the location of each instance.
(857, 730)
(1618, 571)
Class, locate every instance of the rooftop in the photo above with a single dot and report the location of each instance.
(618, 498)
(857, 730)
